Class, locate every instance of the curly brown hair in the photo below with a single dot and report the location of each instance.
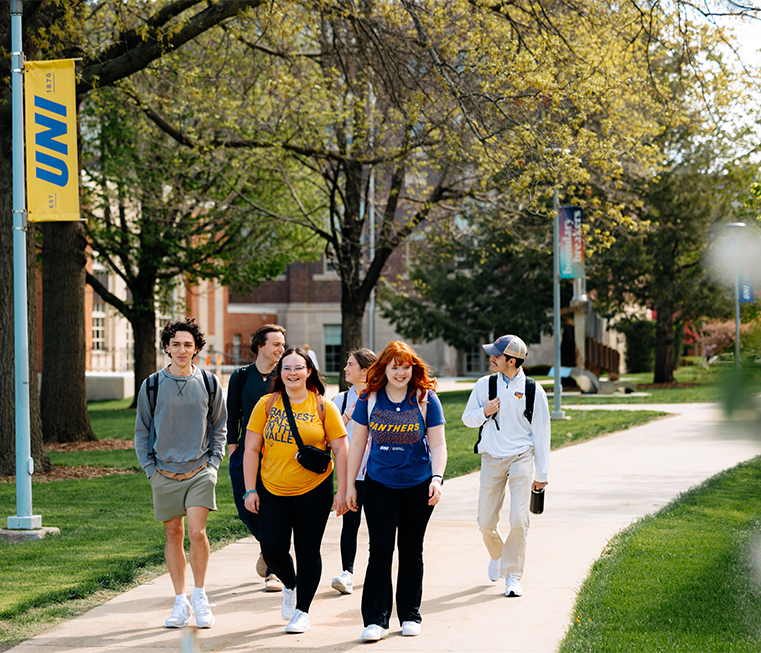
(189, 324)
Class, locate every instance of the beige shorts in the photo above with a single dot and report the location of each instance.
(172, 498)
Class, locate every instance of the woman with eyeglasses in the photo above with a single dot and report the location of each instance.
(292, 500)
(405, 468)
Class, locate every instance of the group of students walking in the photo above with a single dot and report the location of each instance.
(383, 440)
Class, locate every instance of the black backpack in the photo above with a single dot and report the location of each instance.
(528, 413)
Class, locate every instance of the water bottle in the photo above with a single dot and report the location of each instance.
(537, 501)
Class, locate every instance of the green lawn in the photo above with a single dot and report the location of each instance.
(581, 426)
(686, 579)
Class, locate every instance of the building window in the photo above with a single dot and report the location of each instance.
(332, 349)
(129, 348)
(98, 333)
(236, 348)
(475, 361)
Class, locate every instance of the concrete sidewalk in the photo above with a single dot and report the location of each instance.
(596, 488)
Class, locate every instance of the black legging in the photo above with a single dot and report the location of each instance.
(394, 516)
(349, 530)
(304, 515)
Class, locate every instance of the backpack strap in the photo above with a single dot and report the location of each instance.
(320, 408)
(492, 395)
(371, 399)
(270, 403)
(152, 387)
(422, 404)
(530, 394)
(344, 402)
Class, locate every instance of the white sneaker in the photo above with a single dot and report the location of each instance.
(299, 623)
(180, 614)
(373, 633)
(513, 586)
(411, 628)
(202, 610)
(494, 569)
(273, 584)
(289, 604)
(343, 583)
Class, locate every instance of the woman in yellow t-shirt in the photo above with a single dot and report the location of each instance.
(289, 498)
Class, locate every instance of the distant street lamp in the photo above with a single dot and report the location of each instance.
(737, 292)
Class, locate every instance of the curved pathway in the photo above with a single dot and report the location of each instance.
(596, 488)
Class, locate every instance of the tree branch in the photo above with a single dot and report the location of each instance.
(118, 62)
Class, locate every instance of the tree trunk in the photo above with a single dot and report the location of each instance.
(678, 345)
(664, 338)
(351, 329)
(63, 394)
(7, 342)
(144, 328)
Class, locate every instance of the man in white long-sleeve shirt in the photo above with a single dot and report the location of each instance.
(510, 447)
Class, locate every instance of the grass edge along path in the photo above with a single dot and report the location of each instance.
(83, 508)
(687, 578)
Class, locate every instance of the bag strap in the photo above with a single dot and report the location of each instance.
(345, 401)
(292, 420)
(152, 387)
(530, 394)
(492, 395)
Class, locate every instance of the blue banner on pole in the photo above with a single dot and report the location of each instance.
(571, 242)
(746, 289)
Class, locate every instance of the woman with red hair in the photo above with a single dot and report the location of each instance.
(408, 455)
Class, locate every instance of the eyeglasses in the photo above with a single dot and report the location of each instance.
(298, 368)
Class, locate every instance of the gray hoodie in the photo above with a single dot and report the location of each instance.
(183, 433)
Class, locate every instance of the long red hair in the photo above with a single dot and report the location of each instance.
(400, 352)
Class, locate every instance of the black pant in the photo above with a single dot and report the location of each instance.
(250, 519)
(349, 530)
(306, 516)
(389, 511)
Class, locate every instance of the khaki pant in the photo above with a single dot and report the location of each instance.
(517, 473)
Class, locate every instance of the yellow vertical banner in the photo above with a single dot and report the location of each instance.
(52, 167)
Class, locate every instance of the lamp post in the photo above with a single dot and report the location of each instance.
(557, 411)
(739, 225)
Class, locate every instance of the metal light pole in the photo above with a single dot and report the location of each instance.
(737, 292)
(557, 413)
(24, 519)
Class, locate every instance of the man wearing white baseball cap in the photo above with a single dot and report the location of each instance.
(513, 416)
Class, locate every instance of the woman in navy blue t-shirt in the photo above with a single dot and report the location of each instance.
(408, 455)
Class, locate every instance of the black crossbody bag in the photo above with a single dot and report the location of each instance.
(312, 458)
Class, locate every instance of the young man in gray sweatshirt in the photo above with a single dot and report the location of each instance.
(180, 433)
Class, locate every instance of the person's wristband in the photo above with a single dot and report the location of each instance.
(247, 493)
(438, 476)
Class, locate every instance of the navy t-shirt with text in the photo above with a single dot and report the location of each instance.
(399, 454)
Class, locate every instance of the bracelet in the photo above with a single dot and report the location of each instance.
(248, 492)
(439, 476)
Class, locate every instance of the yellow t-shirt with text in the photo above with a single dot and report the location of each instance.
(281, 473)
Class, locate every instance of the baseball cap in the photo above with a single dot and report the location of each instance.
(508, 346)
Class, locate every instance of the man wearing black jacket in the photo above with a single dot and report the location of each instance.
(247, 385)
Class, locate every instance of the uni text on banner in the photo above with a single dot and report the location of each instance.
(50, 117)
(571, 243)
